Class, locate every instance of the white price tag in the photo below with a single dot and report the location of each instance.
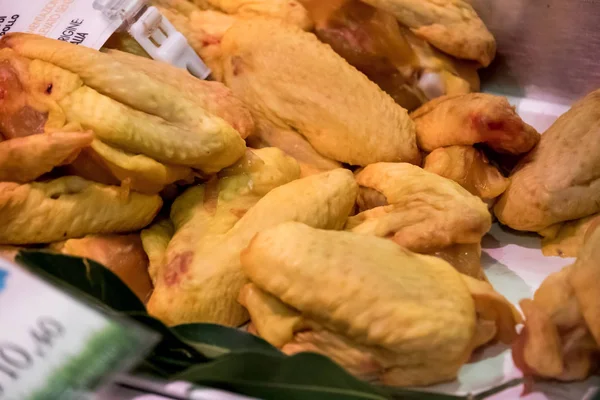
(72, 21)
(90, 23)
(51, 344)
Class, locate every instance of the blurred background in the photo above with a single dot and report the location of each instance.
(547, 49)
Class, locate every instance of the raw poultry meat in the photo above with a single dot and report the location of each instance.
(469, 168)
(560, 179)
(561, 336)
(424, 213)
(155, 240)
(137, 171)
(565, 239)
(212, 96)
(452, 26)
(294, 145)
(201, 275)
(24, 159)
(370, 40)
(404, 66)
(473, 118)
(346, 296)
(120, 101)
(289, 11)
(314, 91)
(459, 76)
(70, 207)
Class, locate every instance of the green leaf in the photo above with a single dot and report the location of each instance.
(268, 376)
(407, 394)
(299, 377)
(216, 340)
(172, 355)
(89, 278)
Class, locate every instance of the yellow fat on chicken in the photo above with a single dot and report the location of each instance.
(201, 278)
(380, 311)
(70, 207)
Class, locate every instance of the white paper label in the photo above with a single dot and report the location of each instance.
(50, 342)
(72, 21)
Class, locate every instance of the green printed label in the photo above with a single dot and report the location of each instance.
(51, 344)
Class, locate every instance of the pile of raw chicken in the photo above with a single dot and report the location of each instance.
(331, 184)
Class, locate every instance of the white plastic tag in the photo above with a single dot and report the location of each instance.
(90, 23)
(73, 21)
(163, 42)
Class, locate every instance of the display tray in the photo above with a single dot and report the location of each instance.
(515, 265)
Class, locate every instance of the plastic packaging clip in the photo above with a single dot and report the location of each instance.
(154, 33)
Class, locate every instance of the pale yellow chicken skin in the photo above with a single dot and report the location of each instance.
(473, 118)
(70, 207)
(452, 26)
(279, 123)
(566, 239)
(139, 172)
(155, 240)
(213, 96)
(561, 336)
(560, 179)
(469, 168)
(456, 76)
(347, 296)
(314, 91)
(294, 145)
(423, 212)
(137, 106)
(197, 273)
(288, 11)
(403, 65)
(201, 276)
(24, 159)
